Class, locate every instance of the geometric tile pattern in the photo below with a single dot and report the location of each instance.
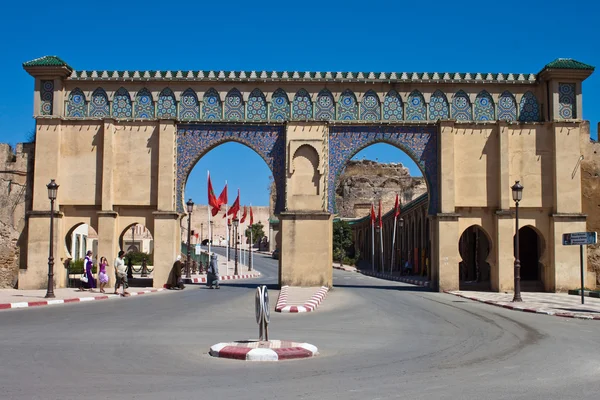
(461, 107)
(370, 107)
(212, 108)
(419, 142)
(195, 140)
(167, 106)
(302, 105)
(566, 100)
(438, 106)
(507, 107)
(234, 106)
(99, 107)
(121, 106)
(325, 106)
(189, 108)
(144, 105)
(415, 107)
(76, 106)
(529, 109)
(347, 106)
(47, 97)
(257, 106)
(280, 106)
(484, 107)
(392, 107)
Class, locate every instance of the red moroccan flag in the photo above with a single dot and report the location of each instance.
(223, 196)
(235, 208)
(251, 216)
(397, 207)
(244, 215)
(372, 214)
(212, 199)
(380, 221)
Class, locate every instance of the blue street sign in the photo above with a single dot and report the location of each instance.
(579, 238)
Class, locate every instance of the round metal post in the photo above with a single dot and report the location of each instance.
(52, 191)
(235, 226)
(517, 296)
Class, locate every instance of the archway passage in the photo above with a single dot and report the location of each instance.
(529, 254)
(474, 270)
(79, 239)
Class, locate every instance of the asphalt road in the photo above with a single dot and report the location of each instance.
(377, 339)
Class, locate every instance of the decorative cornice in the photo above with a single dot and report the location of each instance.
(575, 217)
(44, 214)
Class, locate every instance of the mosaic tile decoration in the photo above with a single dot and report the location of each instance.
(566, 100)
(144, 105)
(347, 106)
(122, 104)
(99, 107)
(484, 107)
(370, 107)
(76, 105)
(195, 140)
(438, 106)
(461, 107)
(392, 107)
(529, 109)
(280, 106)
(507, 107)
(46, 97)
(415, 107)
(302, 107)
(257, 106)
(234, 106)
(325, 106)
(166, 106)
(212, 107)
(189, 108)
(419, 142)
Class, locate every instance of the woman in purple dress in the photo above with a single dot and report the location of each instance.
(88, 271)
(102, 276)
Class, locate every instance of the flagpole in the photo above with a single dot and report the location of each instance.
(227, 230)
(381, 246)
(209, 225)
(372, 242)
(251, 243)
(393, 244)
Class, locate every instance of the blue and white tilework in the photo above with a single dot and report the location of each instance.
(461, 107)
(122, 104)
(484, 107)
(280, 106)
(529, 109)
(566, 99)
(47, 97)
(76, 106)
(302, 105)
(347, 106)
(419, 142)
(234, 106)
(212, 107)
(167, 106)
(438, 106)
(99, 107)
(507, 107)
(257, 106)
(370, 107)
(415, 107)
(189, 108)
(194, 141)
(144, 105)
(392, 107)
(325, 106)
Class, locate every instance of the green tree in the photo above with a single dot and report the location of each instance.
(257, 232)
(342, 240)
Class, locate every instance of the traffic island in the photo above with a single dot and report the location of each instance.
(265, 350)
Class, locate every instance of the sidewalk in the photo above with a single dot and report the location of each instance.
(394, 276)
(226, 272)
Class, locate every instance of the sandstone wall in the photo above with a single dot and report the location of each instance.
(365, 182)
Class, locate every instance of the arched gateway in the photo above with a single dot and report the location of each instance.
(122, 143)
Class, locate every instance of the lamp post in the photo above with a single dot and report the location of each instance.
(377, 239)
(211, 231)
(401, 236)
(201, 232)
(228, 239)
(517, 194)
(190, 208)
(235, 228)
(52, 190)
(133, 238)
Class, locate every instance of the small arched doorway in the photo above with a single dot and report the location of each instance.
(530, 251)
(474, 248)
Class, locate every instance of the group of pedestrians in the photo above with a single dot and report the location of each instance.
(212, 274)
(89, 282)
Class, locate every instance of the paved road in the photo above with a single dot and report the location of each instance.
(378, 340)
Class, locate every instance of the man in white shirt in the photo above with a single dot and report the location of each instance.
(121, 273)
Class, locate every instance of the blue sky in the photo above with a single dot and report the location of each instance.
(464, 36)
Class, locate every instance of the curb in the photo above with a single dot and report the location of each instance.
(586, 293)
(222, 278)
(416, 282)
(527, 310)
(24, 304)
(309, 306)
(229, 350)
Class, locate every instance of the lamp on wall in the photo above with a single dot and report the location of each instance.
(517, 194)
(52, 192)
(190, 208)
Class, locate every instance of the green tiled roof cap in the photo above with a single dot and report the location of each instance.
(46, 61)
(568, 63)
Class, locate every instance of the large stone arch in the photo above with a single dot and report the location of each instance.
(419, 142)
(194, 141)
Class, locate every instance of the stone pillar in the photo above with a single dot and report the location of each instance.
(108, 241)
(502, 274)
(166, 245)
(108, 163)
(166, 165)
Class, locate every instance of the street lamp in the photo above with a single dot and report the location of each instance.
(52, 190)
(190, 208)
(517, 194)
(235, 228)
(228, 239)
(377, 241)
(401, 236)
(211, 231)
(133, 238)
(201, 232)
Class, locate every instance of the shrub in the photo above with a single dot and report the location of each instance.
(138, 256)
(76, 267)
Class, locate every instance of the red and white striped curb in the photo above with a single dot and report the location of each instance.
(26, 304)
(528, 310)
(416, 282)
(277, 350)
(309, 306)
(224, 278)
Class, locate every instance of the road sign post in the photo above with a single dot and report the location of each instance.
(580, 239)
(262, 311)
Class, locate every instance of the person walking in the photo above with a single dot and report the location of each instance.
(102, 275)
(212, 273)
(91, 283)
(121, 274)
(174, 281)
